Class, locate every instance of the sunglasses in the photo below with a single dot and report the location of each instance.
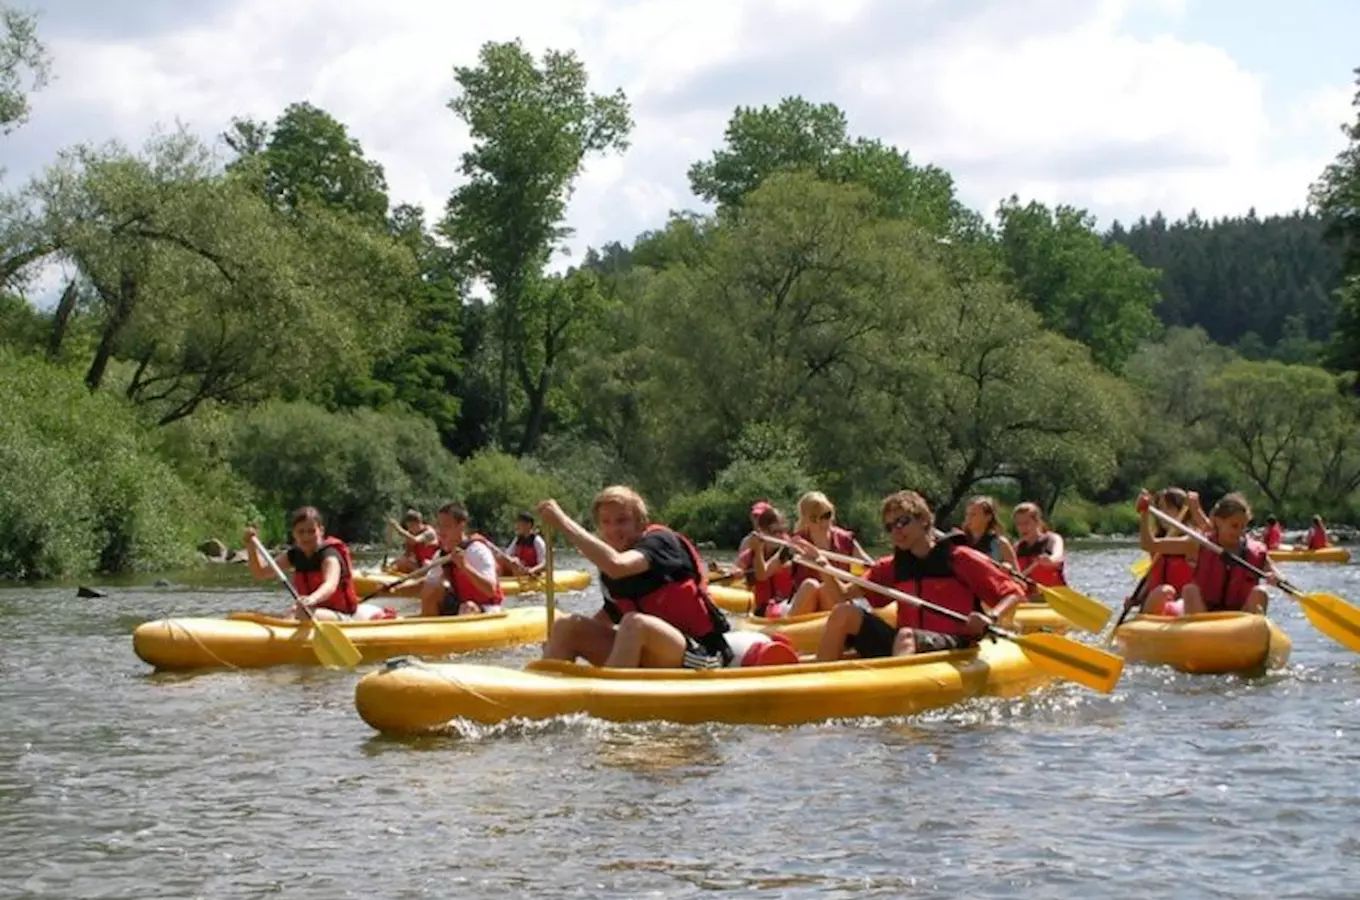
(823, 517)
(900, 522)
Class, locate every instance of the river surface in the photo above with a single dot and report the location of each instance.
(115, 782)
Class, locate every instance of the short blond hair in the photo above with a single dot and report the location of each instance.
(620, 495)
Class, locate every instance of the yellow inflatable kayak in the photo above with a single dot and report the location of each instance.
(366, 581)
(254, 640)
(1216, 643)
(806, 631)
(1303, 554)
(410, 697)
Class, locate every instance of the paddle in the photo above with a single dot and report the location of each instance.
(332, 648)
(1055, 654)
(1140, 567)
(1328, 613)
(550, 589)
(1138, 599)
(1082, 611)
(390, 586)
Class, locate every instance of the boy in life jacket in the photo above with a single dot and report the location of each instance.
(467, 585)
(526, 554)
(421, 541)
(656, 613)
(941, 569)
(1219, 585)
(321, 567)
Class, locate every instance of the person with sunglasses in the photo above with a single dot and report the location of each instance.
(939, 568)
(817, 526)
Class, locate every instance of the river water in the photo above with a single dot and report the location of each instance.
(115, 782)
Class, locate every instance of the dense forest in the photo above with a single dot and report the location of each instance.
(254, 323)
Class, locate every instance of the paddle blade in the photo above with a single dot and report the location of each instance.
(1077, 608)
(333, 648)
(1088, 666)
(1334, 617)
(1140, 567)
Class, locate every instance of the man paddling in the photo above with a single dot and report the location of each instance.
(941, 569)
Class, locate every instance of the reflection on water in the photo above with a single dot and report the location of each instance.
(115, 782)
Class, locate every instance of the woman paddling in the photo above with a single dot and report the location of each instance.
(1318, 539)
(940, 569)
(1173, 564)
(656, 611)
(769, 568)
(1040, 551)
(321, 566)
(817, 526)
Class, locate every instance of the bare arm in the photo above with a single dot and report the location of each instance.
(258, 567)
(610, 562)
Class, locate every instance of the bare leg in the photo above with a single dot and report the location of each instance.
(1158, 598)
(645, 641)
(1258, 601)
(845, 620)
(584, 636)
(1194, 600)
(905, 642)
(807, 599)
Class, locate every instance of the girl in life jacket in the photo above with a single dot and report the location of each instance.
(526, 554)
(1218, 583)
(1173, 562)
(817, 526)
(1318, 539)
(656, 613)
(986, 534)
(769, 568)
(321, 567)
(421, 541)
(1040, 551)
(467, 585)
(1273, 536)
(941, 569)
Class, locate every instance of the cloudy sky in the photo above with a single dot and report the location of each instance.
(1124, 107)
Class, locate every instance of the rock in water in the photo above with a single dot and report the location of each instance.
(87, 593)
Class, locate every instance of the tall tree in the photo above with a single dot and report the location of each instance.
(24, 65)
(1090, 291)
(533, 127)
(1337, 196)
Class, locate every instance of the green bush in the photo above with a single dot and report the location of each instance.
(82, 487)
(722, 513)
(498, 486)
(357, 468)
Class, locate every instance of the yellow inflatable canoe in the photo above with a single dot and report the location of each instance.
(410, 697)
(1303, 554)
(1216, 643)
(253, 640)
(806, 631)
(366, 581)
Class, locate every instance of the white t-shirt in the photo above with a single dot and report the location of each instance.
(540, 549)
(480, 559)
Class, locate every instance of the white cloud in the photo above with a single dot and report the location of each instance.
(1046, 98)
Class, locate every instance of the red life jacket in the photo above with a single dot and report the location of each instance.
(1027, 553)
(842, 542)
(462, 589)
(1274, 536)
(525, 551)
(1317, 538)
(422, 551)
(779, 586)
(1173, 570)
(932, 579)
(1225, 586)
(307, 578)
(683, 604)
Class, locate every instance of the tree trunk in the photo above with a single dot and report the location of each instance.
(60, 319)
(118, 317)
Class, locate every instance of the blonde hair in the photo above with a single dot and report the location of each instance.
(1030, 508)
(811, 505)
(988, 505)
(620, 495)
(907, 503)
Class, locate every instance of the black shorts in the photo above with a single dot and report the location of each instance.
(876, 638)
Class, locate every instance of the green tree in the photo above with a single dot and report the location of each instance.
(532, 129)
(24, 65)
(308, 157)
(1337, 196)
(1091, 291)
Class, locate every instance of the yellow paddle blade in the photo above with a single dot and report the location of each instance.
(1077, 608)
(333, 648)
(1140, 567)
(1334, 617)
(1088, 666)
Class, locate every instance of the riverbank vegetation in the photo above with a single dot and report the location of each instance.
(255, 323)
